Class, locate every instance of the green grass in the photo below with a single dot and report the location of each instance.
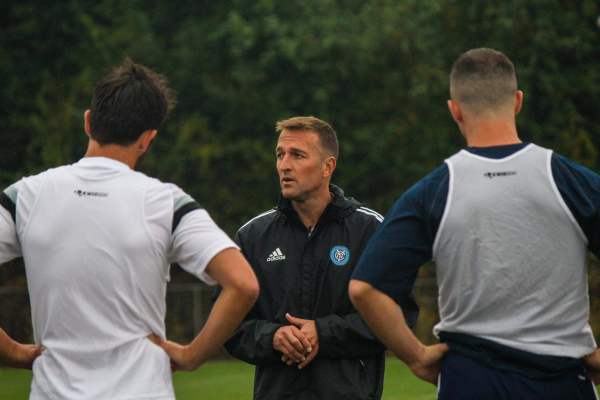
(232, 380)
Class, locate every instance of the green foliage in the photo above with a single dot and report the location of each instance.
(377, 70)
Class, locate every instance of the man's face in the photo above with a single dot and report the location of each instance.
(300, 164)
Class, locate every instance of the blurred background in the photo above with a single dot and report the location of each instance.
(376, 70)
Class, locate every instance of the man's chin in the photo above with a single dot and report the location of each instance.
(290, 195)
(287, 194)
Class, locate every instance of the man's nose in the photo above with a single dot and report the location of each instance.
(284, 163)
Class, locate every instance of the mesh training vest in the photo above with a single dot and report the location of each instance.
(511, 258)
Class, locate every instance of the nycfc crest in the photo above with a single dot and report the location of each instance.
(340, 255)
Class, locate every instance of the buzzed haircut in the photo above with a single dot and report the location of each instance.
(483, 80)
(324, 131)
(130, 100)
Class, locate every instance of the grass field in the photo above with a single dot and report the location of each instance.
(232, 380)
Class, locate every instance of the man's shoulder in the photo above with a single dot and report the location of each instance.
(563, 164)
(35, 181)
(259, 222)
(431, 185)
(365, 215)
(427, 196)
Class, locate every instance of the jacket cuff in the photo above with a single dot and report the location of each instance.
(323, 330)
(267, 333)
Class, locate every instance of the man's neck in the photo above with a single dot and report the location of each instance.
(492, 132)
(124, 154)
(310, 210)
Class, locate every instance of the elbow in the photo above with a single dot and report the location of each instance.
(248, 290)
(252, 291)
(358, 292)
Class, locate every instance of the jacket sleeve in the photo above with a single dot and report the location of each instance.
(346, 337)
(252, 341)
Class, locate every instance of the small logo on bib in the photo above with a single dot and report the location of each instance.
(340, 255)
(491, 175)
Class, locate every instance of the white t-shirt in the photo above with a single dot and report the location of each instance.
(97, 240)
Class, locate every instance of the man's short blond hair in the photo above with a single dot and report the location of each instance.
(483, 80)
(324, 131)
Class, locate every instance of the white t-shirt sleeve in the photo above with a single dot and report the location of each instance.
(10, 247)
(196, 240)
(9, 242)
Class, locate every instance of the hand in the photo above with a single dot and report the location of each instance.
(307, 327)
(180, 355)
(429, 362)
(23, 355)
(292, 343)
(158, 341)
(592, 364)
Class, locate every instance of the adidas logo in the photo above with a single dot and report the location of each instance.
(276, 255)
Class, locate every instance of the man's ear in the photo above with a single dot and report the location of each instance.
(87, 122)
(330, 164)
(455, 111)
(146, 139)
(519, 101)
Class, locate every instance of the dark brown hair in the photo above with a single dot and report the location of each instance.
(130, 100)
(483, 80)
(327, 135)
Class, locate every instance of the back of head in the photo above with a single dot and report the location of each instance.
(327, 135)
(483, 81)
(130, 100)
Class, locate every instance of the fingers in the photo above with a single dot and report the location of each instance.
(302, 324)
(441, 348)
(593, 360)
(167, 346)
(291, 343)
(37, 351)
(294, 321)
(177, 353)
(304, 363)
(309, 358)
(592, 364)
(296, 339)
(24, 355)
(154, 339)
(306, 346)
(292, 348)
(287, 361)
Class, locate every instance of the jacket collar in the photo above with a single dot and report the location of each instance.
(339, 207)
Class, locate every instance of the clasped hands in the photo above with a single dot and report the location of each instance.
(298, 342)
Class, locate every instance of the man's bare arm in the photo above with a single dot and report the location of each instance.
(239, 292)
(15, 354)
(386, 319)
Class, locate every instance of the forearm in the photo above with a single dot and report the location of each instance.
(252, 342)
(384, 316)
(15, 354)
(346, 336)
(226, 315)
(7, 345)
